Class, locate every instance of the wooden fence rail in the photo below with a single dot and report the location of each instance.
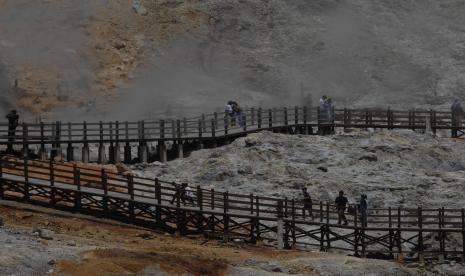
(209, 129)
(415, 233)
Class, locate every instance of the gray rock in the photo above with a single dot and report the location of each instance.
(369, 157)
(139, 8)
(71, 243)
(46, 234)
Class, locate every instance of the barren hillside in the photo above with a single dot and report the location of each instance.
(179, 57)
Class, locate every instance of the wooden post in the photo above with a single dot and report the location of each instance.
(42, 153)
(244, 121)
(321, 212)
(349, 118)
(398, 236)
(69, 149)
(127, 145)
(259, 118)
(173, 130)
(357, 233)
(142, 147)
(212, 199)
(345, 120)
(322, 237)
(226, 123)
(389, 118)
(420, 236)
(270, 118)
(213, 128)
(158, 198)
(286, 121)
(52, 182)
(294, 240)
(204, 125)
(162, 129)
(391, 243)
(184, 123)
(432, 120)
(26, 178)
(131, 196)
(85, 148)
(327, 225)
(215, 118)
(413, 120)
(252, 221)
(101, 148)
(104, 181)
(362, 237)
(367, 119)
(319, 120)
(305, 111)
(25, 141)
(111, 149)
(77, 193)
(212, 206)
(200, 123)
(252, 116)
(463, 234)
(296, 116)
(58, 139)
(200, 206)
(257, 213)
(279, 227)
(1, 180)
(327, 212)
(225, 216)
(441, 235)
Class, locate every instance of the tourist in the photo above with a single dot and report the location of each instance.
(189, 194)
(180, 193)
(307, 200)
(13, 119)
(363, 210)
(341, 204)
(457, 113)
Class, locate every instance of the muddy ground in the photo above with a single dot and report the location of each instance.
(79, 245)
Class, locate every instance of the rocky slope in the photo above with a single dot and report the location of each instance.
(179, 57)
(394, 168)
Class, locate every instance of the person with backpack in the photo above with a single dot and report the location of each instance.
(341, 204)
(180, 193)
(307, 200)
(13, 122)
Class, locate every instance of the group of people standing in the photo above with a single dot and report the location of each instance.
(235, 114)
(341, 204)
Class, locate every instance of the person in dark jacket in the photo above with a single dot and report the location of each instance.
(307, 200)
(457, 113)
(341, 204)
(13, 119)
(363, 210)
(180, 192)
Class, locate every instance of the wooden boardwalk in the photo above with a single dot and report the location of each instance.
(416, 234)
(175, 138)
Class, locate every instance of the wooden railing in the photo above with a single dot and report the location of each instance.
(213, 125)
(153, 203)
